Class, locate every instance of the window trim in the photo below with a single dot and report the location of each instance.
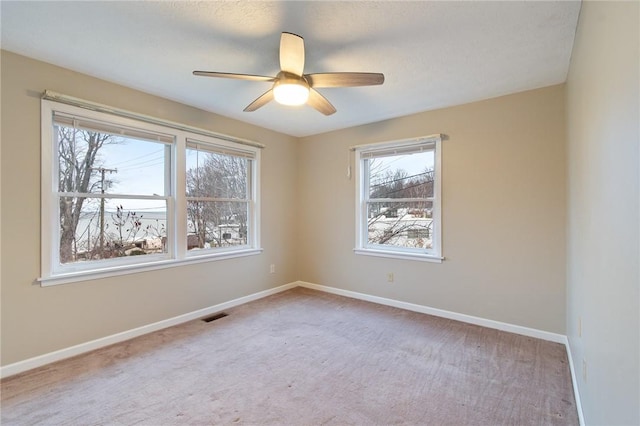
(114, 271)
(53, 273)
(362, 247)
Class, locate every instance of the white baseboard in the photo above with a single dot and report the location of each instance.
(525, 331)
(574, 381)
(39, 361)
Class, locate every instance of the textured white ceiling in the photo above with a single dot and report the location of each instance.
(433, 54)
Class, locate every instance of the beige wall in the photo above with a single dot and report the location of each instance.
(38, 320)
(503, 212)
(503, 216)
(503, 209)
(603, 116)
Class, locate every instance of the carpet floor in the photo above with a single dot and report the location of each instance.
(304, 357)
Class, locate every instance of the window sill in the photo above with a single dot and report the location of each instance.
(399, 255)
(71, 277)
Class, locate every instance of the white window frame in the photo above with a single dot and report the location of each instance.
(362, 245)
(53, 272)
(224, 147)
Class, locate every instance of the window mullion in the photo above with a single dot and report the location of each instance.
(397, 200)
(179, 242)
(111, 195)
(214, 199)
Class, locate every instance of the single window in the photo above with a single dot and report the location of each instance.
(219, 197)
(111, 193)
(398, 205)
(109, 198)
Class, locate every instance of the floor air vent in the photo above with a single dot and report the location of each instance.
(215, 317)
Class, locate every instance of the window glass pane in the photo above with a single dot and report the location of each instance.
(401, 176)
(93, 162)
(216, 175)
(400, 224)
(212, 224)
(98, 228)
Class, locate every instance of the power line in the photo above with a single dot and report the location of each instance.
(387, 182)
(138, 157)
(137, 165)
(405, 188)
(129, 169)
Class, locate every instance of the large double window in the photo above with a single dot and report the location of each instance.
(120, 194)
(398, 205)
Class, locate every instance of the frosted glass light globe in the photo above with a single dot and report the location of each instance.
(290, 89)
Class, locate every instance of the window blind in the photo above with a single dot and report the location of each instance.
(87, 124)
(398, 148)
(220, 149)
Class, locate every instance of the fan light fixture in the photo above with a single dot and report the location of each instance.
(291, 91)
(292, 87)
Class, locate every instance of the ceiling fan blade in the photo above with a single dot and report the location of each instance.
(345, 79)
(292, 53)
(232, 75)
(319, 102)
(265, 98)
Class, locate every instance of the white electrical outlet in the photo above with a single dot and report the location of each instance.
(390, 277)
(272, 269)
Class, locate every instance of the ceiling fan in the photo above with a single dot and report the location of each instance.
(292, 87)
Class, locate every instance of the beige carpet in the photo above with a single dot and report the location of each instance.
(304, 358)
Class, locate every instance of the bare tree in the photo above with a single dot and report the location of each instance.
(400, 222)
(77, 155)
(128, 225)
(224, 178)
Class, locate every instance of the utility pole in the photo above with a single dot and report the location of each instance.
(102, 171)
